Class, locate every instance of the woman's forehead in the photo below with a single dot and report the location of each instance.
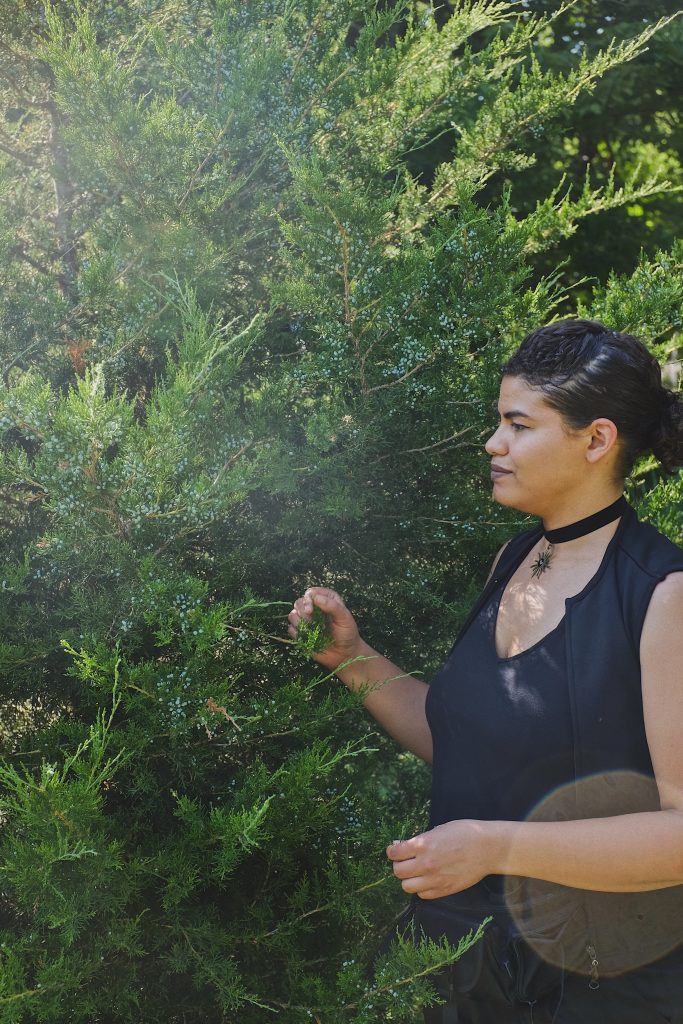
(519, 398)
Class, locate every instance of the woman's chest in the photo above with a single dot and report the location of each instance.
(531, 607)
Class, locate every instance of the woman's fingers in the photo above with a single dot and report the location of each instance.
(323, 597)
(322, 592)
(410, 873)
(339, 619)
(414, 885)
(295, 616)
(405, 868)
(404, 849)
(303, 609)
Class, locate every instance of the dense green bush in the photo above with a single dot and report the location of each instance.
(246, 350)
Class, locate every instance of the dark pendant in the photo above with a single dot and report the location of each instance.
(542, 562)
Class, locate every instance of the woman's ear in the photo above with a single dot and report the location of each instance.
(603, 436)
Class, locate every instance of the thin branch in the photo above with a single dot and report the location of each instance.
(463, 945)
(29, 993)
(405, 376)
(200, 167)
(21, 157)
(437, 444)
(316, 910)
(348, 307)
(20, 251)
(17, 360)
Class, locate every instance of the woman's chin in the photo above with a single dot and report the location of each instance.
(505, 496)
(500, 495)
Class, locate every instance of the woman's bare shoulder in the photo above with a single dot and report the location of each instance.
(496, 560)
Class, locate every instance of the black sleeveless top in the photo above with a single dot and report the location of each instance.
(508, 732)
(501, 727)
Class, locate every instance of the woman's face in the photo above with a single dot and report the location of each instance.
(546, 463)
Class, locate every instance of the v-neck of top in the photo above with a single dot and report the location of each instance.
(568, 600)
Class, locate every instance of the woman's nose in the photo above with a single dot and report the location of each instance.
(494, 445)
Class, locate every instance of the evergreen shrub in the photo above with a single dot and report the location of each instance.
(246, 350)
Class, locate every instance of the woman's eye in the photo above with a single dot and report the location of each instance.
(515, 426)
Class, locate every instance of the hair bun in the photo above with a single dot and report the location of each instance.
(667, 436)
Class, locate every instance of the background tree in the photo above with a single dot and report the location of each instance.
(628, 124)
(247, 347)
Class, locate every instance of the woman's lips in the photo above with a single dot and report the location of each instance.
(497, 472)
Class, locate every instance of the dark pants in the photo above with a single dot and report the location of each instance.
(502, 980)
(485, 988)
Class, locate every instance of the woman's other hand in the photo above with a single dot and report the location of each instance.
(346, 642)
(446, 859)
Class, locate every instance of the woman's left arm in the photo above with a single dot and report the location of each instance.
(624, 853)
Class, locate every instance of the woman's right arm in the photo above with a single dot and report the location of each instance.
(396, 700)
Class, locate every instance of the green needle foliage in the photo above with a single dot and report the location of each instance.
(246, 349)
(313, 636)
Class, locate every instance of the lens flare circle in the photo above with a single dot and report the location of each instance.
(625, 930)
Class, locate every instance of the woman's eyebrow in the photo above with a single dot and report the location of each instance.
(513, 413)
(516, 413)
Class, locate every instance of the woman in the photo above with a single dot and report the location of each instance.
(554, 727)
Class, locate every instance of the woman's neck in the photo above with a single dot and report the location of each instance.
(575, 510)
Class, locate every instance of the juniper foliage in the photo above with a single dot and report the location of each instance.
(245, 349)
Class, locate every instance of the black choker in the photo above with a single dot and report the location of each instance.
(578, 529)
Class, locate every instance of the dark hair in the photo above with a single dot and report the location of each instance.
(586, 371)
